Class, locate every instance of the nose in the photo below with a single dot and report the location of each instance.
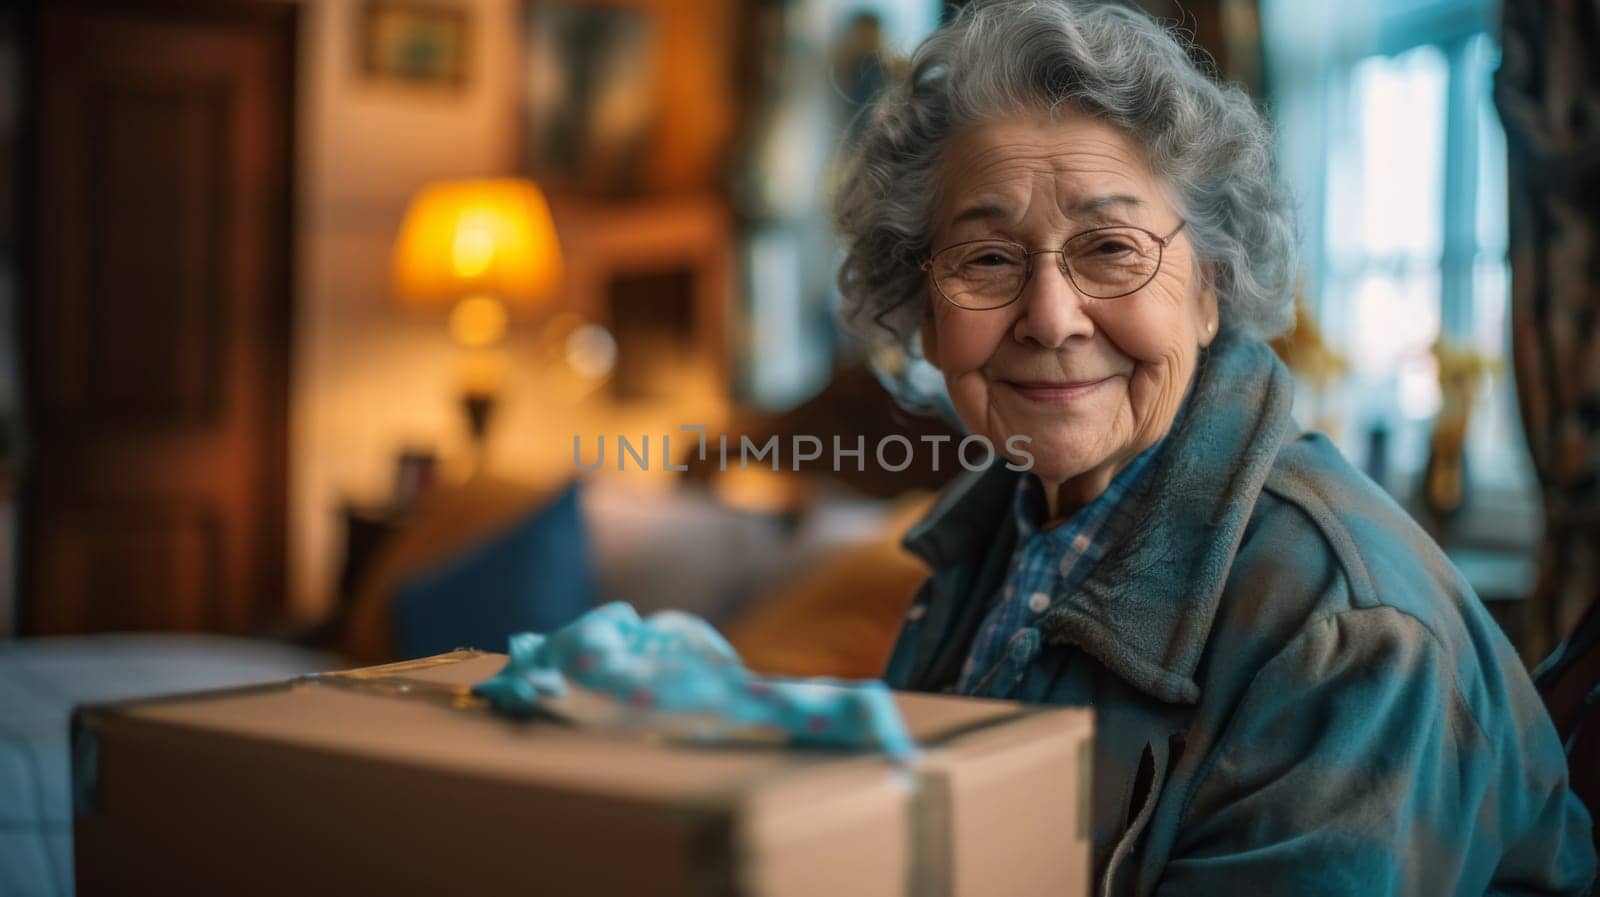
(1053, 311)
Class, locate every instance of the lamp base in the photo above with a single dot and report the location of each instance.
(479, 409)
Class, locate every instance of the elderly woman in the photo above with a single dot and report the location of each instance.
(1295, 691)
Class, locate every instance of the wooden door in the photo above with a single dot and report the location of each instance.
(156, 316)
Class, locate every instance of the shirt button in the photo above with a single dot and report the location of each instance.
(1038, 602)
(1081, 543)
(916, 612)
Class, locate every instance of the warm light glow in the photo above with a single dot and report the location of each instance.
(554, 331)
(585, 348)
(473, 250)
(490, 238)
(591, 351)
(481, 372)
(760, 490)
(478, 321)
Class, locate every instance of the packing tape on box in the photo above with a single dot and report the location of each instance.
(932, 813)
(592, 711)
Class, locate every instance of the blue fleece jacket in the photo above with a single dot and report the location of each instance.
(1296, 693)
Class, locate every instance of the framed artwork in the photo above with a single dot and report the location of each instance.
(416, 43)
(589, 95)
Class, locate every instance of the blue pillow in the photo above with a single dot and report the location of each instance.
(535, 577)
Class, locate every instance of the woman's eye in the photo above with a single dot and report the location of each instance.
(992, 259)
(1111, 247)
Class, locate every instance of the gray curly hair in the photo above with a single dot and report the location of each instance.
(1206, 140)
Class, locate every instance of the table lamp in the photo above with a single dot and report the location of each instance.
(480, 248)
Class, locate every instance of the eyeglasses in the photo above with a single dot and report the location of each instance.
(1103, 263)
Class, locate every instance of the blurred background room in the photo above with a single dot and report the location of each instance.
(341, 331)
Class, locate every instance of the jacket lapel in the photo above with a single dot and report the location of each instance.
(1145, 611)
(965, 517)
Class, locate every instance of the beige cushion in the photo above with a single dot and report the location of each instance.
(840, 618)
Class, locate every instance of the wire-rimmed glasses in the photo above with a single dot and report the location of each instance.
(1103, 263)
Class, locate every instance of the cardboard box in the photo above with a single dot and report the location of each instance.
(392, 781)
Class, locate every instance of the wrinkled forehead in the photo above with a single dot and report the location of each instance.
(1067, 171)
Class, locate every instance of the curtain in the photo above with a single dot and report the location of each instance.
(1548, 93)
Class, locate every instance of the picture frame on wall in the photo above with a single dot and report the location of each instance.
(589, 95)
(417, 44)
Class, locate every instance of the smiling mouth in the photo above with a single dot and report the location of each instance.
(1055, 391)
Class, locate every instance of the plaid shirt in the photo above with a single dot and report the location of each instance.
(1046, 562)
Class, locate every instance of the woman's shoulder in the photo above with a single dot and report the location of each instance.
(1325, 541)
(1347, 651)
(1318, 502)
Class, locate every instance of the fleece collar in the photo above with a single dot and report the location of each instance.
(1145, 611)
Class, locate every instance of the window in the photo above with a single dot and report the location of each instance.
(1389, 135)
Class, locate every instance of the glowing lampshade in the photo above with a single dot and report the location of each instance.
(464, 240)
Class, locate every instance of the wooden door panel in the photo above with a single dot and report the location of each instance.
(158, 319)
(139, 566)
(158, 157)
(135, 273)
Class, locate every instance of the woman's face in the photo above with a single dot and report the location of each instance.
(1091, 382)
